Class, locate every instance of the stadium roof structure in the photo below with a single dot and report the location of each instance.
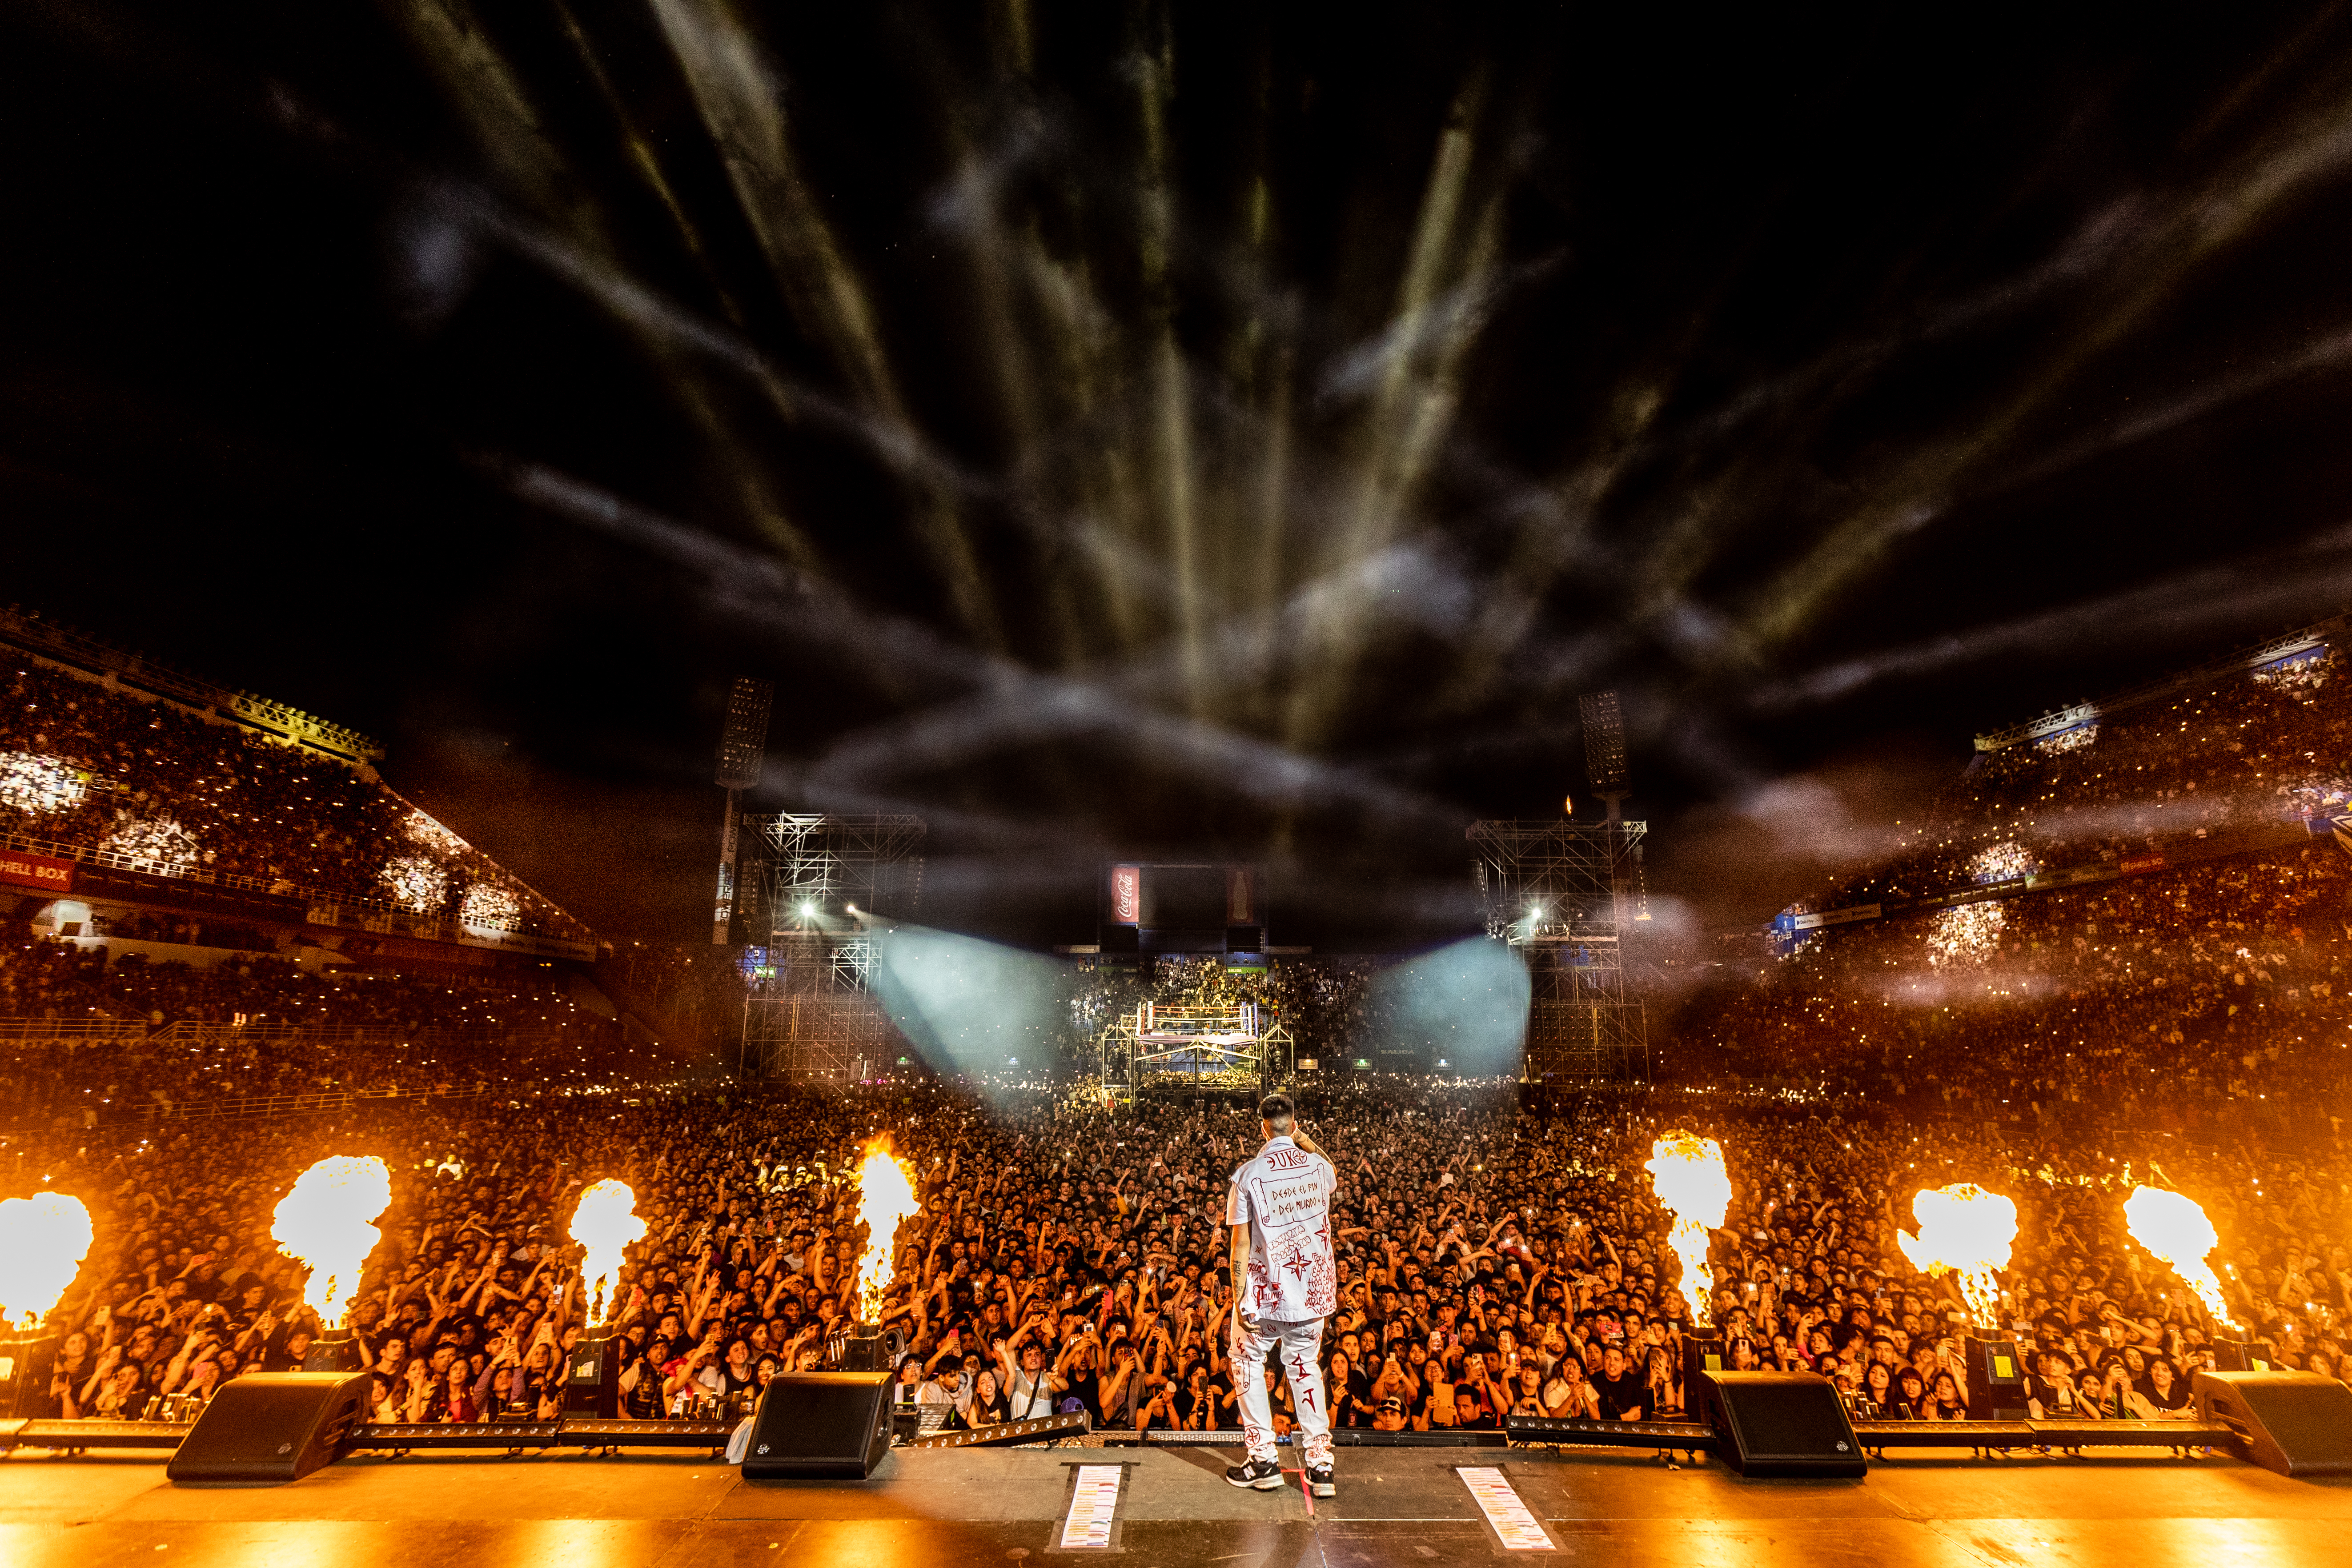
(2303, 640)
(50, 640)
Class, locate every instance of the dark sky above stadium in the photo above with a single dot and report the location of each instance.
(1178, 431)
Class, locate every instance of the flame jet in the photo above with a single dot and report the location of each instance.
(1688, 1173)
(328, 1222)
(2176, 1230)
(886, 1186)
(1966, 1231)
(43, 1240)
(606, 1223)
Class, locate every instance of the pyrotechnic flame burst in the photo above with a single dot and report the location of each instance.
(2176, 1230)
(605, 1222)
(1966, 1231)
(43, 1240)
(1687, 1170)
(327, 1222)
(886, 1186)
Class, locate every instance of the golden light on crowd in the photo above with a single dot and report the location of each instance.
(328, 1222)
(606, 1223)
(886, 1189)
(1966, 1231)
(2174, 1227)
(1688, 1173)
(43, 1240)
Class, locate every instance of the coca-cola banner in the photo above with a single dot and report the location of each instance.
(1127, 894)
(1238, 901)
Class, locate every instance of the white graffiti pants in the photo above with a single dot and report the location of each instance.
(1300, 1344)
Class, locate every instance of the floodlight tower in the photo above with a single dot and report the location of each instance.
(1560, 892)
(1604, 748)
(742, 754)
(820, 894)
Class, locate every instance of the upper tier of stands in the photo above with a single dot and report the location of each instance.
(99, 771)
(2143, 914)
(2257, 753)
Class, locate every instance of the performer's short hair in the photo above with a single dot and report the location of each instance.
(1277, 1108)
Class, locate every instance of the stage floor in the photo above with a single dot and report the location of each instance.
(1396, 1506)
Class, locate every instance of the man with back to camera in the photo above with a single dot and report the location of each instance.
(1285, 1282)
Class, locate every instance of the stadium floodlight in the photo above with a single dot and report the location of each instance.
(808, 911)
(743, 743)
(1605, 742)
(742, 754)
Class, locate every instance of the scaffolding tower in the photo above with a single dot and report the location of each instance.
(823, 889)
(1562, 893)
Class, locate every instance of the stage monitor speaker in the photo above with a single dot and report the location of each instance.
(592, 1379)
(27, 1367)
(271, 1426)
(1702, 1353)
(1996, 1379)
(820, 1427)
(1781, 1424)
(2296, 1422)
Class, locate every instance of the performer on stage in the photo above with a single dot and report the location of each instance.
(1285, 1284)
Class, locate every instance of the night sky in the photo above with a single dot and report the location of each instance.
(1181, 432)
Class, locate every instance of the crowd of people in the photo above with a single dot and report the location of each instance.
(276, 1028)
(2254, 752)
(2180, 1023)
(98, 768)
(1499, 1250)
(2181, 999)
(2194, 980)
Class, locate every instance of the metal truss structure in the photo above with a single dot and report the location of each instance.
(816, 885)
(1164, 1046)
(1561, 893)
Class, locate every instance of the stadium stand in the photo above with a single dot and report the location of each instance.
(2142, 915)
(154, 801)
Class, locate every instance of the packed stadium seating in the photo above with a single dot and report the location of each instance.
(160, 789)
(2194, 975)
